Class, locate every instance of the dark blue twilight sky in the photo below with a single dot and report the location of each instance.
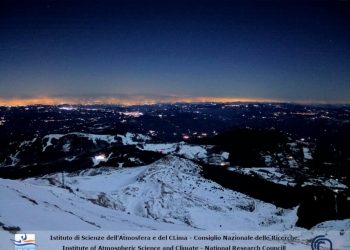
(280, 50)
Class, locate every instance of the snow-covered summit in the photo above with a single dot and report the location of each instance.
(172, 190)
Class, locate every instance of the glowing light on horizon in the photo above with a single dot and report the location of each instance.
(139, 100)
(13, 102)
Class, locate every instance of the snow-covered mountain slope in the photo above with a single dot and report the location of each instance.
(26, 206)
(53, 147)
(279, 176)
(169, 194)
(127, 139)
(201, 153)
(171, 191)
(72, 151)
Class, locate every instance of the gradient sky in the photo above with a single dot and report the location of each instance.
(280, 50)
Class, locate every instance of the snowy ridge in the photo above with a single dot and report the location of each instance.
(22, 203)
(127, 139)
(49, 139)
(276, 175)
(172, 190)
(188, 151)
(192, 152)
(70, 146)
(169, 194)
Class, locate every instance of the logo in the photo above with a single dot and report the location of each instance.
(24, 241)
(321, 240)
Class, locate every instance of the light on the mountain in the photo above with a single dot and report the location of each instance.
(101, 157)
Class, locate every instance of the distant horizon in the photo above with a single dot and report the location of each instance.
(54, 101)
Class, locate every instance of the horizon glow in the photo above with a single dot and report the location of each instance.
(131, 102)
